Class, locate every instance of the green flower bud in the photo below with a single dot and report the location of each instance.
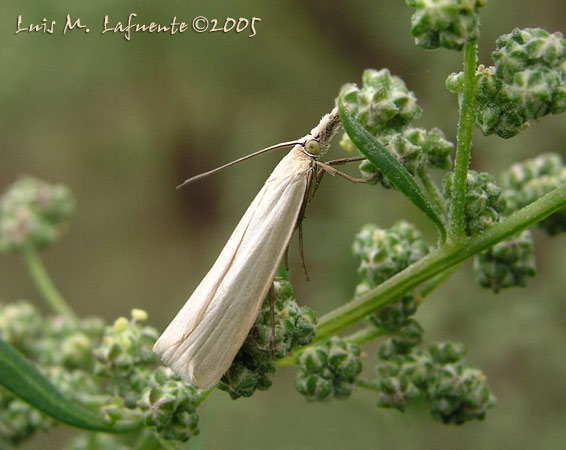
(525, 48)
(455, 391)
(447, 352)
(525, 182)
(459, 393)
(314, 386)
(247, 374)
(125, 346)
(33, 213)
(396, 392)
(484, 204)
(169, 406)
(313, 358)
(138, 315)
(527, 82)
(396, 315)
(328, 370)
(415, 148)
(436, 149)
(455, 82)
(445, 23)
(253, 366)
(405, 338)
(384, 253)
(507, 264)
(283, 289)
(20, 326)
(382, 104)
(417, 366)
(18, 420)
(344, 360)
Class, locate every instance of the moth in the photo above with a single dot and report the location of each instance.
(205, 336)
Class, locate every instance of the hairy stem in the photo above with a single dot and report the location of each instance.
(435, 263)
(366, 384)
(364, 335)
(456, 229)
(45, 285)
(432, 190)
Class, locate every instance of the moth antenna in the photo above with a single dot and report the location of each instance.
(243, 158)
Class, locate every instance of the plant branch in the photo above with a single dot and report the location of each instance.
(45, 285)
(432, 190)
(364, 335)
(464, 143)
(436, 263)
(366, 384)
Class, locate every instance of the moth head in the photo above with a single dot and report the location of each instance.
(319, 138)
(312, 147)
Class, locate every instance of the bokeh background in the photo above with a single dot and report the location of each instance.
(121, 123)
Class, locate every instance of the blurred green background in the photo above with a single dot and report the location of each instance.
(121, 123)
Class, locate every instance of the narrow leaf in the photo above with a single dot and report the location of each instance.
(378, 155)
(23, 379)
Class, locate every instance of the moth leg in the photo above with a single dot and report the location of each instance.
(286, 258)
(272, 299)
(332, 171)
(301, 251)
(309, 192)
(335, 162)
(319, 176)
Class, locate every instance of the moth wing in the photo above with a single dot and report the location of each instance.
(203, 339)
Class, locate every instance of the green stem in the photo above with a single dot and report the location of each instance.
(366, 384)
(436, 263)
(202, 395)
(44, 284)
(364, 335)
(149, 442)
(371, 332)
(432, 190)
(456, 227)
(437, 281)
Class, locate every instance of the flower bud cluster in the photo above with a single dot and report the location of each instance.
(108, 367)
(484, 203)
(254, 365)
(454, 391)
(416, 148)
(445, 23)
(328, 370)
(527, 82)
(33, 214)
(385, 107)
(382, 254)
(507, 264)
(525, 182)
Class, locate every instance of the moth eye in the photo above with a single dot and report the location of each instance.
(312, 147)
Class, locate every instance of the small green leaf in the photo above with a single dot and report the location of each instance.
(22, 378)
(378, 155)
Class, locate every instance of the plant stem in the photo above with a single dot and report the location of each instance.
(432, 190)
(437, 281)
(44, 284)
(456, 227)
(371, 385)
(364, 335)
(149, 442)
(202, 395)
(436, 263)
